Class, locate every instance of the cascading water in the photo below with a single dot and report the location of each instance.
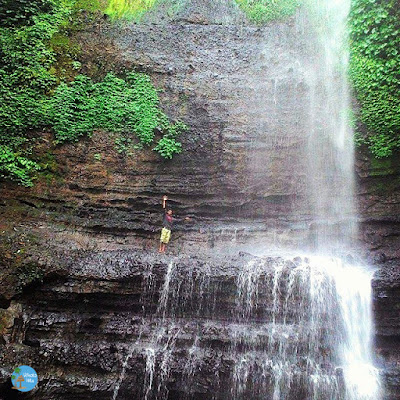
(330, 149)
(284, 328)
(298, 327)
(318, 339)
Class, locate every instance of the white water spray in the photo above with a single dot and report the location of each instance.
(162, 305)
(319, 334)
(330, 150)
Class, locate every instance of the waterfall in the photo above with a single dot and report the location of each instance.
(330, 148)
(279, 327)
(318, 340)
(284, 328)
(330, 155)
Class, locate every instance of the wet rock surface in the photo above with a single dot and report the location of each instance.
(140, 325)
(72, 295)
(244, 108)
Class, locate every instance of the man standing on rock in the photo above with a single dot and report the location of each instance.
(168, 222)
(167, 226)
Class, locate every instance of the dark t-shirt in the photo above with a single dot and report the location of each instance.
(168, 221)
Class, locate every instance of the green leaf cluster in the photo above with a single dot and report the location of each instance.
(129, 9)
(34, 96)
(127, 106)
(16, 167)
(375, 71)
(263, 11)
(22, 12)
(28, 274)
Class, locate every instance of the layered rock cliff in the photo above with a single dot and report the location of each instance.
(75, 246)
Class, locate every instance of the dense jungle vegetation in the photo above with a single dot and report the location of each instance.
(36, 94)
(375, 72)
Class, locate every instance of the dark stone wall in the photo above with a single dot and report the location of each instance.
(379, 205)
(241, 91)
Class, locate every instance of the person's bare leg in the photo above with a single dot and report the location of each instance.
(161, 246)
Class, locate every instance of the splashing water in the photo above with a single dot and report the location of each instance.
(123, 372)
(162, 307)
(320, 332)
(302, 327)
(150, 369)
(354, 290)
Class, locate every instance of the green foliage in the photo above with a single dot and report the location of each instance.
(127, 106)
(168, 146)
(123, 144)
(128, 9)
(21, 12)
(25, 79)
(34, 93)
(90, 5)
(263, 11)
(25, 52)
(374, 69)
(16, 167)
(28, 274)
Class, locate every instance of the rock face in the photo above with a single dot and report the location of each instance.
(243, 104)
(379, 195)
(241, 90)
(137, 326)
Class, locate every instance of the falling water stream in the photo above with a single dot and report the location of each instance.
(301, 327)
(330, 150)
(319, 337)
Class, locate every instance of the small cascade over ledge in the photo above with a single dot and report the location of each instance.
(291, 328)
(211, 327)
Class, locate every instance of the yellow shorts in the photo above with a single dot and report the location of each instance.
(165, 235)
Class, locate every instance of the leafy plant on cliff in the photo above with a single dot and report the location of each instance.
(28, 274)
(23, 12)
(375, 73)
(34, 94)
(25, 79)
(15, 166)
(263, 11)
(127, 106)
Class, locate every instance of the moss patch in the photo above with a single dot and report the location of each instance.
(383, 167)
(129, 9)
(263, 11)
